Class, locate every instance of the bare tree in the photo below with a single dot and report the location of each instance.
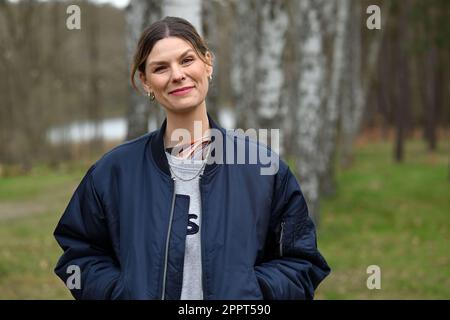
(22, 60)
(360, 76)
(214, 14)
(311, 113)
(402, 95)
(335, 106)
(258, 64)
(287, 74)
(433, 82)
(430, 98)
(140, 14)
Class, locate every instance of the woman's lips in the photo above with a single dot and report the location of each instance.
(182, 92)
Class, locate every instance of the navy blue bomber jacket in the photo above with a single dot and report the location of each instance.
(125, 229)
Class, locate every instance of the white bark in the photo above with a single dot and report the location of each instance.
(311, 98)
(352, 98)
(258, 66)
(285, 76)
(319, 87)
(216, 32)
(243, 67)
(328, 138)
(274, 22)
(186, 9)
(139, 15)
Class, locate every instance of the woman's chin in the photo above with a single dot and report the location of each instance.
(183, 107)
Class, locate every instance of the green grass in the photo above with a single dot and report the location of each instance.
(396, 216)
(40, 180)
(28, 252)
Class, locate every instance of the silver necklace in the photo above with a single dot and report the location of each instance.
(183, 179)
(196, 174)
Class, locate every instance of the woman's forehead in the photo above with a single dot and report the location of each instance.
(168, 48)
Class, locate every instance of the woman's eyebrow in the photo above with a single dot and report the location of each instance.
(162, 62)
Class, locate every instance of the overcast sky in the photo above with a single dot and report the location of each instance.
(117, 3)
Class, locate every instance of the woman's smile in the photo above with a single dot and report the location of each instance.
(181, 91)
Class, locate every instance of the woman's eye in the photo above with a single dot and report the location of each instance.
(159, 69)
(184, 61)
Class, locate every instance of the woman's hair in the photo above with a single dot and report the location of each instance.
(167, 27)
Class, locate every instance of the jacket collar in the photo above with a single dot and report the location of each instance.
(158, 152)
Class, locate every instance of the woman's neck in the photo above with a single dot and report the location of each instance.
(188, 121)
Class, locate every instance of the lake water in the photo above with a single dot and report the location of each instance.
(113, 129)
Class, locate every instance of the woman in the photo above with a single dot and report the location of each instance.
(154, 219)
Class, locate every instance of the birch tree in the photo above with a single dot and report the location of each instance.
(333, 104)
(258, 74)
(140, 14)
(311, 113)
(217, 31)
(260, 58)
(287, 71)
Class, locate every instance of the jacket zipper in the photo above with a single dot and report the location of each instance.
(281, 238)
(202, 249)
(166, 255)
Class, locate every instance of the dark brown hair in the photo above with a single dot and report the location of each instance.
(167, 27)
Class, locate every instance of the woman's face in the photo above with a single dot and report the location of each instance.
(173, 64)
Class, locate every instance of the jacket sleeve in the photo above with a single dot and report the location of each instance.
(292, 266)
(82, 233)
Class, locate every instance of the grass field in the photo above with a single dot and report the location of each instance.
(396, 216)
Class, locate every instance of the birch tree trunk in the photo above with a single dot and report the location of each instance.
(139, 15)
(333, 105)
(258, 74)
(187, 9)
(351, 94)
(311, 111)
(287, 70)
(217, 31)
(243, 68)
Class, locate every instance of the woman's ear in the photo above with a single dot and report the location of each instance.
(209, 65)
(144, 81)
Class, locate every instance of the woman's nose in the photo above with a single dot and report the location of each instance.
(177, 74)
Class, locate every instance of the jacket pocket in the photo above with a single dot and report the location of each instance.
(257, 291)
(119, 291)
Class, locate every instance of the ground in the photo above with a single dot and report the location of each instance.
(392, 215)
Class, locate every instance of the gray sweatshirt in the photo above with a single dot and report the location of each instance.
(186, 174)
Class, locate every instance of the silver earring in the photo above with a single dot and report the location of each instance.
(210, 77)
(151, 95)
